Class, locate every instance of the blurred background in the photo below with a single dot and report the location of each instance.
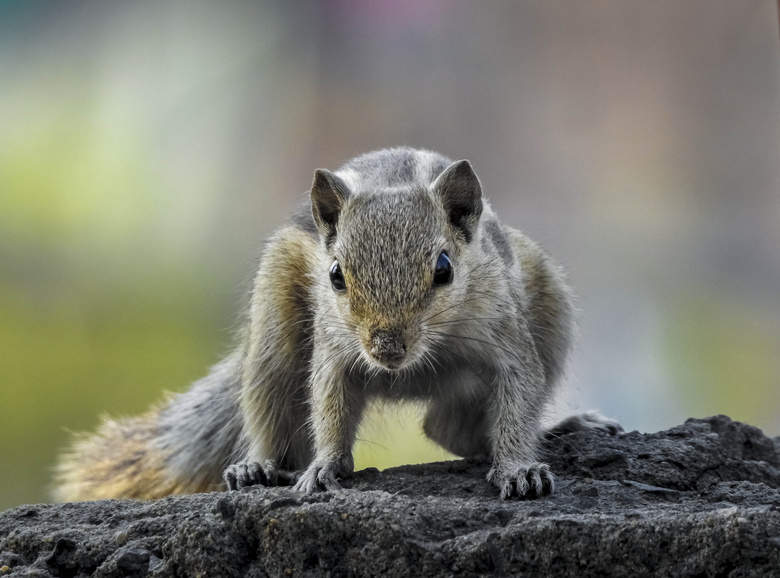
(147, 148)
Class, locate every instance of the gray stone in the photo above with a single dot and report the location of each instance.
(701, 499)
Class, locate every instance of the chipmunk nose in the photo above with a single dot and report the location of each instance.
(387, 346)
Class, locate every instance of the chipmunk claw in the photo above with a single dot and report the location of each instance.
(245, 474)
(318, 477)
(535, 479)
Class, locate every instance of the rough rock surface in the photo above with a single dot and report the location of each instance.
(701, 499)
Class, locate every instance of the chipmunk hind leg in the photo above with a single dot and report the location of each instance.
(588, 421)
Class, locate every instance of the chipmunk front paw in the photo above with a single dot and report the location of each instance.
(535, 478)
(319, 476)
(245, 474)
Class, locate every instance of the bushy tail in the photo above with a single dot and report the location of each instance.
(179, 447)
(116, 462)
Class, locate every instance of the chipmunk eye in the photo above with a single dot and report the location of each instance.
(337, 277)
(443, 273)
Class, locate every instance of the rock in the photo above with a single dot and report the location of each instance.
(699, 499)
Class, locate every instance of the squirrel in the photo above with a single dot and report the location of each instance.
(394, 280)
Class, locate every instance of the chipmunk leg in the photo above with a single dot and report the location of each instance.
(519, 394)
(274, 398)
(337, 406)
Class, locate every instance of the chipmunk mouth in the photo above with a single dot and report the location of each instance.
(390, 366)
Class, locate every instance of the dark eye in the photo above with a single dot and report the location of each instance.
(337, 277)
(443, 273)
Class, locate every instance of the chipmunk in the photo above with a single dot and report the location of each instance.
(395, 281)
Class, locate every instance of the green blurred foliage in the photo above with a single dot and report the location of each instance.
(64, 181)
(723, 353)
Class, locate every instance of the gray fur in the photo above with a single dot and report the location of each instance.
(495, 235)
(396, 167)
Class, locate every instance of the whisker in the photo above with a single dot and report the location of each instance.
(571, 445)
(466, 319)
(490, 343)
(453, 306)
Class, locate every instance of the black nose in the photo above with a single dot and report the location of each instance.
(387, 346)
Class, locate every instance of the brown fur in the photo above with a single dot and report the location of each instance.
(118, 462)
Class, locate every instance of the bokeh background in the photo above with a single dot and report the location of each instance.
(147, 148)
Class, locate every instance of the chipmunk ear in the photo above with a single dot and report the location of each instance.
(461, 194)
(328, 196)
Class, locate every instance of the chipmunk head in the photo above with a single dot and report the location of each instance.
(395, 255)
